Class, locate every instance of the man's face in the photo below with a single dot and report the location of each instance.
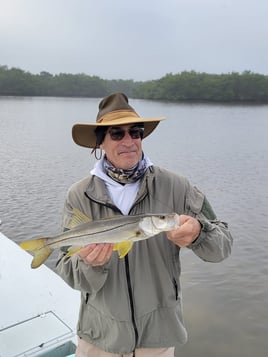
(124, 152)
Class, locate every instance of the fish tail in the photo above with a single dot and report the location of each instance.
(40, 249)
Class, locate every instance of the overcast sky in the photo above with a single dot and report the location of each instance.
(134, 39)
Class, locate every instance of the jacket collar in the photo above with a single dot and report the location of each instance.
(96, 189)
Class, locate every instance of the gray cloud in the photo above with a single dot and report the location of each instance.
(140, 40)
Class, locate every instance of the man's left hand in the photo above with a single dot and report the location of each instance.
(187, 232)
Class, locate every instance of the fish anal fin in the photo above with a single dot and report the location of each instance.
(123, 248)
(78, 218)
(72, 251)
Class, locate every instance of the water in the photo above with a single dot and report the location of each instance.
(221, 148)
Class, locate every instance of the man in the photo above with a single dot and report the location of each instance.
(132, 306)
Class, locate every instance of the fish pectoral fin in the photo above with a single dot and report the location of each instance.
(123, 248)
(78, 218)
(40, 249)
(72, 250)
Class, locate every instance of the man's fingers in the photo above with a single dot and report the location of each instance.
(85, 251)
(187, 232)
(96, 254)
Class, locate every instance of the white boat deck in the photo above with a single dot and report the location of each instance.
(38, 311)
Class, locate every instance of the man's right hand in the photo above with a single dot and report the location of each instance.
(96, 254)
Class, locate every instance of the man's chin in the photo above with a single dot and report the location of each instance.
(128, 160)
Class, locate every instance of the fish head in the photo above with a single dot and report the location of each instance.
(160, 223)
(166, 222)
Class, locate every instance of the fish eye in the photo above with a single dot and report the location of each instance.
(162, 217)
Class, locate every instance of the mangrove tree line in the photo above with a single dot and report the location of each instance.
(184, 86)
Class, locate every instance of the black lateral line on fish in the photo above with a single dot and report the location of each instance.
(88, 234)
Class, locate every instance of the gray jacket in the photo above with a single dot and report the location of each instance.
(135, 302)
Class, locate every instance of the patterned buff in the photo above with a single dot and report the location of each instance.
(125, 176)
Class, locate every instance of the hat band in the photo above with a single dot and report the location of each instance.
(117, 114)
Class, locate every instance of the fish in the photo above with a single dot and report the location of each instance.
(122, 231)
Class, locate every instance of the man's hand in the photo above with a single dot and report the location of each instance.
(96, 254)
(187, 232)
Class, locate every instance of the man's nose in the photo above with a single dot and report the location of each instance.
(127, 138)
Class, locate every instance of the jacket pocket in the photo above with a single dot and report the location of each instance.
(194, 201)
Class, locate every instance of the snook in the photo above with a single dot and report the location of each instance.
(122, 231)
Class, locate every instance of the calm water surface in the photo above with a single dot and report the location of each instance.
(222, 149)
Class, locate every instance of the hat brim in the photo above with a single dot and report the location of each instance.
(84, 134)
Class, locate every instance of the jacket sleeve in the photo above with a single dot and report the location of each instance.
(215, 240)
(73, 270)
(80, 276)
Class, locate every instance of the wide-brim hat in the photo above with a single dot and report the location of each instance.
(113, 110)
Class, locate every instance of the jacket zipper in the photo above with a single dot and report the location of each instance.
(131, 301)
(129, 287)
(176, 288)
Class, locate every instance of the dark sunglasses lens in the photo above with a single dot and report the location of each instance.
(136, 133)
(116, 134)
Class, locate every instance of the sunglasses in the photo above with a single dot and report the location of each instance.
(118, 134)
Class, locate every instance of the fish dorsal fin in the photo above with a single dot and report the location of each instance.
(78, 218)
(123, 248)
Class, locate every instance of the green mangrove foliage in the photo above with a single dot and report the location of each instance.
(184, 86)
